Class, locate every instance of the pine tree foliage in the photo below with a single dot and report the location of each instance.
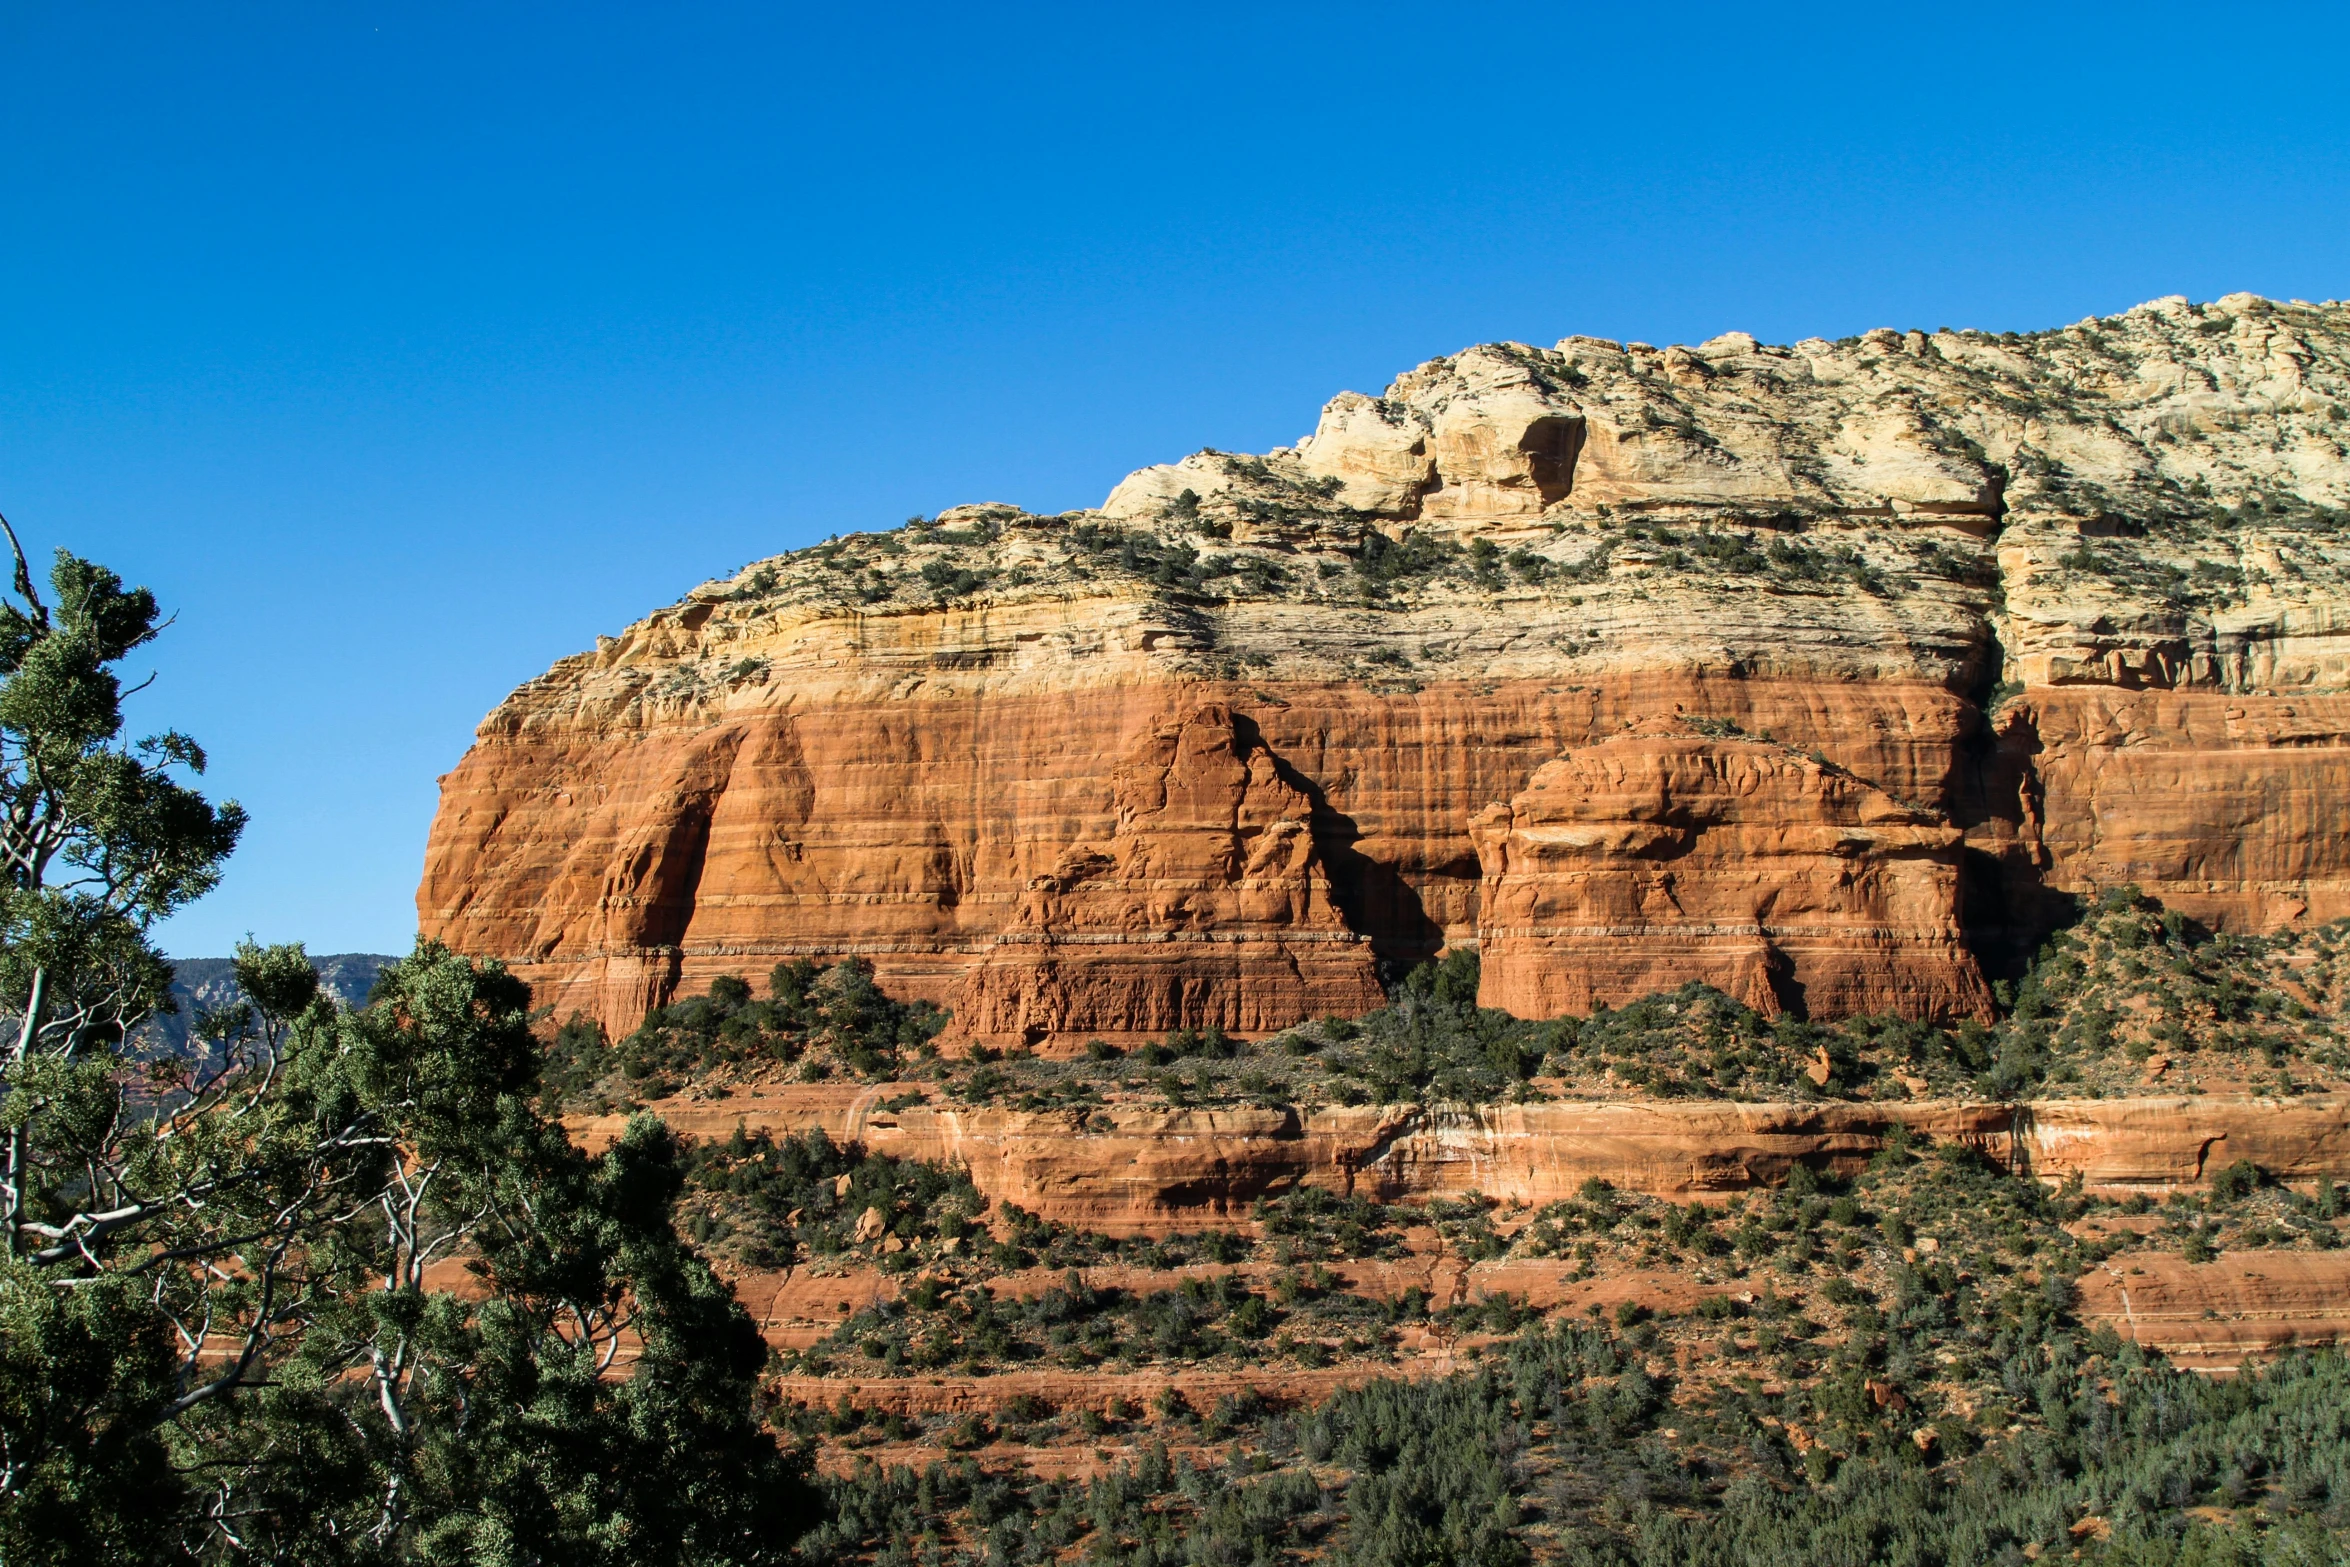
(331, 1288)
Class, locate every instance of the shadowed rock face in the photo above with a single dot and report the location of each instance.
(1658, 857)
(2080, 599)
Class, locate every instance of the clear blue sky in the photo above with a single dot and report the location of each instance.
(403, 349)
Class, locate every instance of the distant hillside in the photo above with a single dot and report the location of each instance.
(212, 982)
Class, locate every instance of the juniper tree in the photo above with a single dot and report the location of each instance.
(98, 841)
(327, 1287)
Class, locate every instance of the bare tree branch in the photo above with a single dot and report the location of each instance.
(24, 576)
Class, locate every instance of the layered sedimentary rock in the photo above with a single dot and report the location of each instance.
(2216, 1315)
(2229, 806)
(2079, 597)
(1661, 856)
(1208, 901)
(1129, 1169)
(946, 820)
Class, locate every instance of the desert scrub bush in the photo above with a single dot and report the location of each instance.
(1151, 1509)
(2130, 979)
(1182, 1044)
(832, 1016)
(938, 1324)
(1173, 563)
(1311, 1224)
(1382, 564)
(1565, 1446)
(1466, 1225)
(947, 579)
(763, 1200)
(1935, 1398)
(1434, 1042)
(2127, 981)
(1698, 1042)
(1030, 1239)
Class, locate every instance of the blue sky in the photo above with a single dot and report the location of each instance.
(403, 350)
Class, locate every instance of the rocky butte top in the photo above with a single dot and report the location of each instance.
(2068, 606)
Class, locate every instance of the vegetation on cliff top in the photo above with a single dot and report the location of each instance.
(1346, 558)
(2131, 999)
(1923, 1209)
(825, 1020)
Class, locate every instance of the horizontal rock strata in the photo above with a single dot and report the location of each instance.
(2214, 1316)
(2080, 598)
(1658, 856)
(1127, 1170)
(2207, 1316)
(1208, 901)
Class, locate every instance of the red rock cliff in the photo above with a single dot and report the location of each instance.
(1659, 856)
(2056, 612)
(1208, 902)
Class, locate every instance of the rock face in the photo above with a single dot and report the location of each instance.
(1208, 902)
(1657, 857)
(2216, 1315)
(1131, 1170)
(2056, 612)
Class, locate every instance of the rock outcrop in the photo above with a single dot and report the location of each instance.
(1134, 1170)
(2214, 1316)
(1206, 904)
(2080, 598)
(1660, 856)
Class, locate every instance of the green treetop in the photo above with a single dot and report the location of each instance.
(328, 1287)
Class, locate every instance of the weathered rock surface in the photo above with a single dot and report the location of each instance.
(2216, 1315)
(1129, 1170)
(2229, 807)
(1208, 902)
(1660, 856)
(2081, 597)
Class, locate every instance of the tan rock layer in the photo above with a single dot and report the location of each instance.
(2216, 1315)
(1130, 1171)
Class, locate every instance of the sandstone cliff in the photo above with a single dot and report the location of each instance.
(1657, 857)
(1937, 627)
(1208, 899)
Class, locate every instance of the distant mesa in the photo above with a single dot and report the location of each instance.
(200, 984)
